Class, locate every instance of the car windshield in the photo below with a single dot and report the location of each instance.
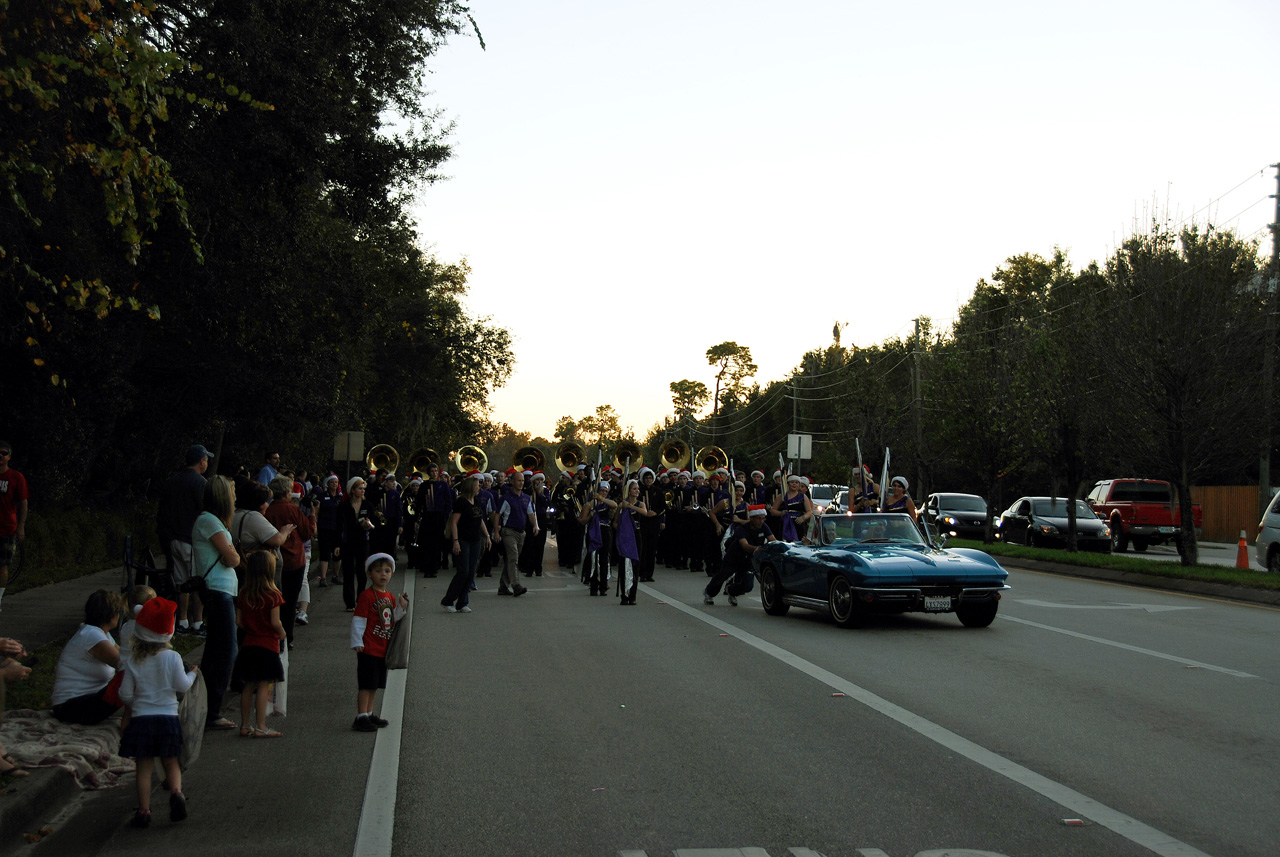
(863, 529)
(820, 493)
(1057, 508)
(957, 503)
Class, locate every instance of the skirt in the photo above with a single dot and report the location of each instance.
(158, 735)
(254, 664)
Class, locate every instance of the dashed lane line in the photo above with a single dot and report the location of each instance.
(1079, 804)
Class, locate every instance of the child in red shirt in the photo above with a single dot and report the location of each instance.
(376, 613)
(258, 662)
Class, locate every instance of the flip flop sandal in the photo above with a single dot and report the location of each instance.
(266, 733)
(220, 723)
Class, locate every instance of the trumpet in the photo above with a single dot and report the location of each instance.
(570, 455)
(383, 457)
(710, 459)
(674, 453)
(528, 458)
(469, 458)
(628, 449)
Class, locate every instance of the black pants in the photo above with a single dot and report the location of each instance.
(291, 588)
(649, 533)
(431, 539)
(531, 555)
(739, 579)
(353, 574)
(595, 565)
(569, 540)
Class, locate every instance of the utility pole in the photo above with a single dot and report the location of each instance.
(1269, 357)
(918, 405)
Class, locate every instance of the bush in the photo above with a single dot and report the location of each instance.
(63, 544)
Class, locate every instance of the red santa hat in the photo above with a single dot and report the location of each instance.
(155, 621)
(756, 511)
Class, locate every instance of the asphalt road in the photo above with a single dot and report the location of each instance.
(1210, 553)
(561, 724)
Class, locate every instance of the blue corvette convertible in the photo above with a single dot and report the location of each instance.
(864, 564)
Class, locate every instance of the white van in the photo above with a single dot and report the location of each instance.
(1269, 536)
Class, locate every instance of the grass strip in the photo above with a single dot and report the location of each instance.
(35, 690)
(1173, 570)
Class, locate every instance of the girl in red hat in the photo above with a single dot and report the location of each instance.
(153, 677)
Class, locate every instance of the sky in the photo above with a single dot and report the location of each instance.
(633, 183)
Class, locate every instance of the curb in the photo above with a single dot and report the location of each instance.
(28, 804)
(1225, 591)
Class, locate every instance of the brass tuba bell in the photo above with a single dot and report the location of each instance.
(628, 449)
(674, 454)
(383, 457)
(422, 458)
(528, 458)
(469, 458)
(710, 459)
(569, 455)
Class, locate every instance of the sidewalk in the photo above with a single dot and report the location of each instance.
(34, 618)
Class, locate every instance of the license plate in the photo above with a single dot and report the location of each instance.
(937, 603)
(1166, 529)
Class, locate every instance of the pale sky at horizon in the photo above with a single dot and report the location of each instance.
(710, 171)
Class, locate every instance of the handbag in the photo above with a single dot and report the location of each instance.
(398, 647)
(198, 585)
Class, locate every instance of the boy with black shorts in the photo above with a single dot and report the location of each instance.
(376, 613)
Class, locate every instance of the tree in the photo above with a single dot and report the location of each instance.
(688, 397)
(1181, 335)
(733, 366)
(566, 429)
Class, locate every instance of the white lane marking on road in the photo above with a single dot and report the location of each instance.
(378, 814)
(1128, 648)
(1086, 807)
(1150, 608)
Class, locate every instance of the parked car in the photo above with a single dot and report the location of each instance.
(1042, 521)
(1140, 512)
(1268, 549)
(859, 565)
(961, 515)
(823, 495)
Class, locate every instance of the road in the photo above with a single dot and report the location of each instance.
(562, 724)
(1211, 553)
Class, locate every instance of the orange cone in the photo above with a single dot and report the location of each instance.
(1242, 552)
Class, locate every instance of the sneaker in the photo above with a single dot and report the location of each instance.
(177, 807)
(141, 818)
(464, 609)
(301, 618)
(733, 601)
(707, 599)
(449, 608)
(518, 590)
(364, 723)
(502, 590)
(323, 582)
(378, 721)
(199, 632)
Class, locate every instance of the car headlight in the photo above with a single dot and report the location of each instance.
(1106, 531)
(949, 521)
(998, 523)
(1049, 529)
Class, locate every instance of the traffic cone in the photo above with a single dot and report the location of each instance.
(1242, 552)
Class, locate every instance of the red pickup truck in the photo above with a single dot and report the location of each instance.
(1140, 512)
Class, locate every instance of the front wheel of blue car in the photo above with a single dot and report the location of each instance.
(845, 608)
(771, 592)
(978, 615)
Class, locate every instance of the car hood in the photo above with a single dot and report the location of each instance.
(887, 564)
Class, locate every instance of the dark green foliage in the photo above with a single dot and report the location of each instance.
(294, 134)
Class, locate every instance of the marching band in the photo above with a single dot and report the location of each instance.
(693, 512)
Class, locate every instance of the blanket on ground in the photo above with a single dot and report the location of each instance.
(90, 753)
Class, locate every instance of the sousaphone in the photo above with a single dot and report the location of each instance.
(675, 454)
(470, 458)
(569, 455)
(528, 458)
(628, 449)
(710, 459)
(383, 457)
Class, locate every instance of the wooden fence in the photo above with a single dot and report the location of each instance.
(1228, 509)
